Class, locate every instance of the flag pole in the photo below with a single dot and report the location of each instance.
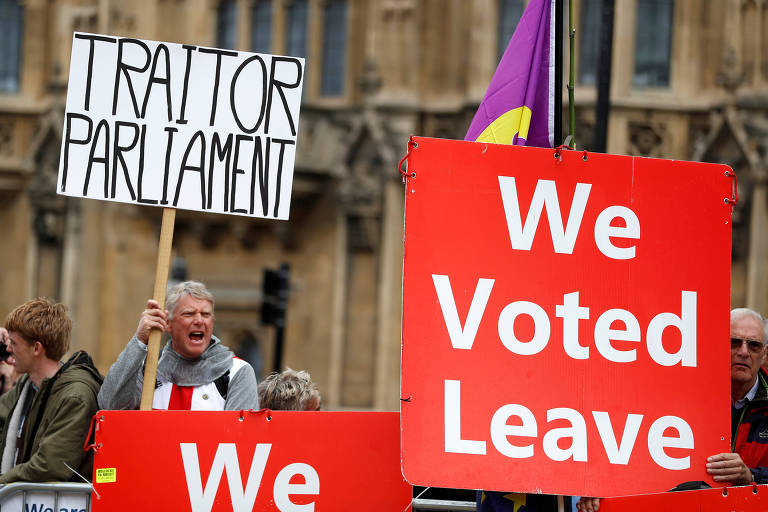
(571, 101)
(603, 105)
(558, 136)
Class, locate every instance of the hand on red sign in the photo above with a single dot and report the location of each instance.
(728, 467)
(151, 318)
(588, 504)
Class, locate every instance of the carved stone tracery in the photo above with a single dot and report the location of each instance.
(646, 138)
(49, 208)
(6, 138)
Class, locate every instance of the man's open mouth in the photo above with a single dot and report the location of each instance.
(196, 335)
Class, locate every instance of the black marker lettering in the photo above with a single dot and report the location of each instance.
(279, 178)
(154, 80)
(122, 66)
(118, 156)
(168, 148)
(141, 198)
(250, 98)
(200, 169)
(222, 153)
(189, 49)
(235, 172)
(100, 160)
(91, 38)
(215, 98)
(263, 159)
(69, 140)
(277, 84)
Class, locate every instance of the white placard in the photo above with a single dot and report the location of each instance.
(180, 126)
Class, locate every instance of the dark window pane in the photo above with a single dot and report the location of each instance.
(226, 24)
(334, 47)
(296, 30)
(510, 12)
(261, 26)
(653, 42)
(589, 43)
(11, 31)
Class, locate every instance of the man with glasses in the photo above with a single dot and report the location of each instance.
(748, 461)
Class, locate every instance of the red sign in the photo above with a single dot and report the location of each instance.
(565, 319)
(272, 461)
(743, 499)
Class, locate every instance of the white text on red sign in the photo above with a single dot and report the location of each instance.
(243, 497)
(462, 337)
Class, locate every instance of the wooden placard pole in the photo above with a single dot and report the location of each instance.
(161, 280)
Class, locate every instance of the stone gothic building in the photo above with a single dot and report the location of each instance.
(689, 81)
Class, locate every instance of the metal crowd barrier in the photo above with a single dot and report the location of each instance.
(76, 497)
(53, 497)
(443, 505)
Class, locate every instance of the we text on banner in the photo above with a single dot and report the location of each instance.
(282, 461)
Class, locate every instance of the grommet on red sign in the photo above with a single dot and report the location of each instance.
(412, 144)
(205, 396)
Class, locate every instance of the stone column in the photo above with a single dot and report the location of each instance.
(332, 396)
(757, 263)
(388, 335)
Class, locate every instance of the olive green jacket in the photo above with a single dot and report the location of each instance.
(63, 427)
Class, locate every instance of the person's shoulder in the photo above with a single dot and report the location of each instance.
(238, 364)
(78, 377)
(23, 379)
(762, 381)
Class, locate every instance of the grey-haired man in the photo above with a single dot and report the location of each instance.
(195, 371)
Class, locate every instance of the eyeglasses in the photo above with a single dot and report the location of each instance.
(754, 346)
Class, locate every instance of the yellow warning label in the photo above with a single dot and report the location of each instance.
(106, 475)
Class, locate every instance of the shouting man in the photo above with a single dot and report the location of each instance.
(195, 371)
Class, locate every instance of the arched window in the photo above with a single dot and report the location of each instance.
(226, 24)
(653, 42)
(510, 12)
(334, 47)
(589, 40)
(261, 26)
(296, 28)
(11, 36)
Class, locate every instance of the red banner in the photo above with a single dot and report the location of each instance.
(565, 319)
(744, 499)
(230, 461)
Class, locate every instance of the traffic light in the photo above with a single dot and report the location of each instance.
(275, 295)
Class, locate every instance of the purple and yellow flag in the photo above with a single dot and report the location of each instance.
(519, 105)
